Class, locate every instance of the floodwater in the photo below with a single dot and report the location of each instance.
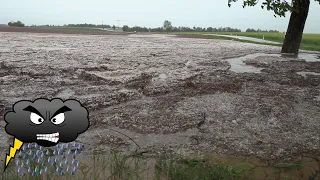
(309, 57)
(246, 38)
(169, 92)
(240, 65)
(305, 74)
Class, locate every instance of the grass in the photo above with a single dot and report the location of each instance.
(177, 168)
(309, 41)
(167, 166)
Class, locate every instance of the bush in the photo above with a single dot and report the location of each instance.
(16, 24)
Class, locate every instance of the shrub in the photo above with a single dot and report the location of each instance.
(16, 24)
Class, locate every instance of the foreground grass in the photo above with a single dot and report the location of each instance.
(166, 166)
(309, 41)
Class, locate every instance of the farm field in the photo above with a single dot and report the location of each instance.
(188, 95)
(309, 41)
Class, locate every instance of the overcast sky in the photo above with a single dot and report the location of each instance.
(149, 13)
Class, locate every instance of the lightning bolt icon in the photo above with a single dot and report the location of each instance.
(13, 150)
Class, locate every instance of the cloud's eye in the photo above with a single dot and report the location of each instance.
(36, 119)
(58, 119)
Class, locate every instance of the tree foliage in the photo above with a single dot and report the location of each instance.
(259, 30)
(188, 29)
(88, 25)
(16, 24)
(279, 7)
(167, 25)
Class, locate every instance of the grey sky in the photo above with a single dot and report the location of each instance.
(203, 13)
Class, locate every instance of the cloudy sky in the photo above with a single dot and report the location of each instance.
(149, 13)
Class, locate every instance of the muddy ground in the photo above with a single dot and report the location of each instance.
(61, 30)
(184, 94)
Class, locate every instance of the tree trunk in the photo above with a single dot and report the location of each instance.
(295, 29)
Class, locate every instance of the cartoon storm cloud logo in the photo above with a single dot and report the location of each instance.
(45, 122)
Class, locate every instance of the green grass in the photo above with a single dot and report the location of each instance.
(176, 168)
(166, 166)
(309, 41)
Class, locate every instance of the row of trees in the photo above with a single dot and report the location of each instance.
(89, 25)
(259, 30)
(167, 27)
(183, 29)
(16, 24)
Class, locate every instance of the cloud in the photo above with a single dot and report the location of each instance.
(47, 122)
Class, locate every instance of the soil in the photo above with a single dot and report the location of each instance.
(180, 94)
(60, 31)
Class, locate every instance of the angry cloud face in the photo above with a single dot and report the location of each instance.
(47, 122)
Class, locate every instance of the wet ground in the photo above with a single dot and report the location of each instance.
(181, 94)
(246, 38)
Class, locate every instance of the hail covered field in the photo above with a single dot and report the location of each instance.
(165, 91)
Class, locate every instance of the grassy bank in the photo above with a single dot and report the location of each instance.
(162, 166)
(309, 41)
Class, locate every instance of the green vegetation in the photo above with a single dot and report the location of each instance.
(167, 166)
(309, 41)
(299, 10)
(176, 168)
(16, 24)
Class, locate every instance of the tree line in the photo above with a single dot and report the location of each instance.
(179, 29)
(16, 24)
(259, 30)
(166, 28)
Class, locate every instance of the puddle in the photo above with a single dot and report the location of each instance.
(246, 38)
(304, 74)
(309, 57)
(238, 65)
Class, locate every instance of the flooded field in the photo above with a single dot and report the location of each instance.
(146, 91)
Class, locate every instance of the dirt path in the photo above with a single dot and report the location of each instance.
(177, 93)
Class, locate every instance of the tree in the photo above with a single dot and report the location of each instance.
(16, 24)
(114, 27)
(299, 12)
(167, 26)
(125, 28)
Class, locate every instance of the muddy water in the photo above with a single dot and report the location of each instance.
(146, 91)
(239, 64)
